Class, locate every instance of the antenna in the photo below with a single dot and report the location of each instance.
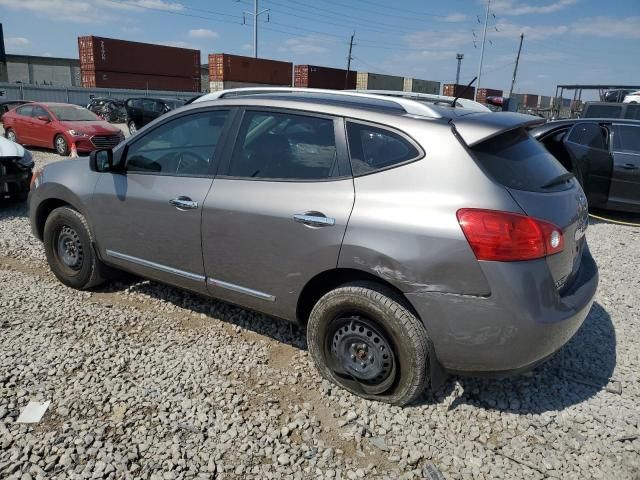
(455, 100)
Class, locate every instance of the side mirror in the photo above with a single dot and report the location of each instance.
(43, 118)
(101, 160)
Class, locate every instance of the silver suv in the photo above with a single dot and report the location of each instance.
(411, 238)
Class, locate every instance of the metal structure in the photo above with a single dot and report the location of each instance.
(349, 58)
(459, 57)
(515, 69)
(484, 40)
(256, 14)
(577, 94)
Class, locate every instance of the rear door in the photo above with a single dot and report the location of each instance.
(22, 124)
(277, 212)
(588, 147)
(544, 189)
(625, 182)
(147, 220)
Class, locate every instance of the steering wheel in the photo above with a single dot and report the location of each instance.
(190, 162)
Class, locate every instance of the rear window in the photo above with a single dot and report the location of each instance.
(633, 112)
(518, 161)
(603, 111)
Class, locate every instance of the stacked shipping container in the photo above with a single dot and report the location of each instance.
(236, 71)
(111, 63)
(376, 81)
(457, 90)
(527, 99)
(484, 93)
(421, 86)
(311, 76)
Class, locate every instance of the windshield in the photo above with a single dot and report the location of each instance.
(174, 103)
(72, 113)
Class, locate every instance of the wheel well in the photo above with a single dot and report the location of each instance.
(44, 210)
(330, 279)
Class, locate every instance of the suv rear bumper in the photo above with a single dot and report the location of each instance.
(523, 322)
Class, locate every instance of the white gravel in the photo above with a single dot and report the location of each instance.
(147, 381)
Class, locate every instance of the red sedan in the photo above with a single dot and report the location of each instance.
(59, 126)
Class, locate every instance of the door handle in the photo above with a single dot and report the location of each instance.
(630, 166)
(314, 219)
(183, 203)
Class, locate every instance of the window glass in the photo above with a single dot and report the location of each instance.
(374, 148)
(39, 111)
(603, 111)
(26, 110)
(590, 135)
(282, 145)
(184, 146)
(633, 112)
(627, 139)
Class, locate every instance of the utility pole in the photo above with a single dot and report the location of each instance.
(349, 58)
(459, 57)
(256, 14)
(515, 69)
(484, 39)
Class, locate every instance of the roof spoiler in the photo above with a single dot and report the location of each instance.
(479, 127)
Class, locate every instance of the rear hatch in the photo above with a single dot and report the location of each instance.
(543, 188)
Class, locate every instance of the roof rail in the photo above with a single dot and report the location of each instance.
(410, 106)
(430, 97)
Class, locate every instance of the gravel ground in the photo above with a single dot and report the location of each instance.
(147, 381)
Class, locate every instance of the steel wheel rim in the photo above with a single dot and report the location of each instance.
(132, 128)
(361, 354)
(61, 145)
(68, 248)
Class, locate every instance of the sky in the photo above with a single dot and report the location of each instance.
(565, 41)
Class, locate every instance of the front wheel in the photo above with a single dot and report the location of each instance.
(69, 251)
(362, 338)
(61, 145)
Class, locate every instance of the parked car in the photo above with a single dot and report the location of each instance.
(108, 109)
(603, 154)
(16, 169)
(633, 97)
(616, 95)
(9, 105)
(410, 238)
(141, 111)
(58, 126)
(611, 110)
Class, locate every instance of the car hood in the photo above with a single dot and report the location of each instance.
(97, 127)
(10, 149)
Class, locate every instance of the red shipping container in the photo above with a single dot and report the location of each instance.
(484, 93)
(236, 68)
(111, 55)
(312, 76)
(457, 90)
(93, 79)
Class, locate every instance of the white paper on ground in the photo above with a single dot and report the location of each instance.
(33, 412)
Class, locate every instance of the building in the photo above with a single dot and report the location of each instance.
(30, 69)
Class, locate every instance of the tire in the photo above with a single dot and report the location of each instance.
(375, 321)
(61, 145)
(132, 127)
(11, 135)
(80, 268)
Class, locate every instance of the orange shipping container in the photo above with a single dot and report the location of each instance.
(455, 90)
(93, 79)
(312, 76)
(236, 68)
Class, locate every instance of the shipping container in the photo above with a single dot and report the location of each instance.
(376, 81)
(235, 68)
(312, 76)
(483, 93)
(101, 54)
(544, 101)
(421, 86)
(92, 79)
(528, 100)
(456, 90)
(217, 85)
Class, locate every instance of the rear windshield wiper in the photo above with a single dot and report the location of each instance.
(558, 180)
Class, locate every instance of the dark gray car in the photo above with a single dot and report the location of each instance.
(410, 239)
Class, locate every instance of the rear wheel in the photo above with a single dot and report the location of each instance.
(69, 250)
(132, 127)
(11, 135)
(61, 145)
(362, 338)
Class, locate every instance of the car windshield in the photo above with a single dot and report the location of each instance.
(174, 103)
(72, 113)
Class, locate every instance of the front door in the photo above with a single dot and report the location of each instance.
(147, 219)
(278, 209)
(625, 182)
(42, 131)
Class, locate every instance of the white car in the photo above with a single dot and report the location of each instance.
(633, 97)
(16, 169)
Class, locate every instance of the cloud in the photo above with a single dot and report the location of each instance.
(439, 40)
(138, 5)
(455, 17)
(512, 8)
(304, 45)
(16, 41)
(608, 27)
(537, 32)
(60, 10)
(203, 33)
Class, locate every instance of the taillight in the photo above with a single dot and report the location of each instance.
(509, 237)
